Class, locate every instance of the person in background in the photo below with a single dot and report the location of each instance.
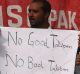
(77, 66)
(39, 11)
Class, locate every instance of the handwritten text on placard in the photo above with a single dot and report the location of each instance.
(38, 51)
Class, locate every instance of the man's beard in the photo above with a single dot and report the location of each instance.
(36, 23)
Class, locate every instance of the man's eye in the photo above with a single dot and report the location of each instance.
(35, 11)
(29, 11)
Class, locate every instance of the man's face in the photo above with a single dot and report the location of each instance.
(36, 14)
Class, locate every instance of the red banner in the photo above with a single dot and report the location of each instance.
(65, 14)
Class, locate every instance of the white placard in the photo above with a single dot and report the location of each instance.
(37, 51)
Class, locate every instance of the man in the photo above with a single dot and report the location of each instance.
(39, 11)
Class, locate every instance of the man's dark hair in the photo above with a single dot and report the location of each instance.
(46, 5)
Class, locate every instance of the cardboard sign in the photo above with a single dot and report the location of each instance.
(37, 51)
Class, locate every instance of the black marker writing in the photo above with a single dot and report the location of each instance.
(16, 40)
(53, 38)
(32, 64)
(58, 43)
(17, 63)
(37, 42)
(55, 67)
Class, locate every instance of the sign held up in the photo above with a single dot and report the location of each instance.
(38, 51)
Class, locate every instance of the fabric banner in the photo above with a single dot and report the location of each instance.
(37, 51)
(65, 14)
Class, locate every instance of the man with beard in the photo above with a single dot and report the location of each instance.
(39, 11)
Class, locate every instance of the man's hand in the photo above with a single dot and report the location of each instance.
(79, 42)
(78, 59)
